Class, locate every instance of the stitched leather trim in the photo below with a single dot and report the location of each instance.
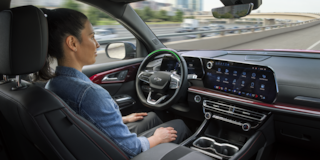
(17, 102)
(89, 127)
(250, 147)
(85, 133)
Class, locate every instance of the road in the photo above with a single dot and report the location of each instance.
(305, 39)
(122, 32)
(308, 38)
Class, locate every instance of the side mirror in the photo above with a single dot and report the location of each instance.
(121, 50)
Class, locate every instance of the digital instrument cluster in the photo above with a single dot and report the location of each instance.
(252, 81)
(194, 65)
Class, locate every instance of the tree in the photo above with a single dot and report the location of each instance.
(148, 13)
(71, 4)
(179, 16)
(93, 15)
(162, 14)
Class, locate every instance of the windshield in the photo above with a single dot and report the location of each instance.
(276, 24)
(189, 25)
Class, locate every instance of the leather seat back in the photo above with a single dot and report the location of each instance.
(39, 117)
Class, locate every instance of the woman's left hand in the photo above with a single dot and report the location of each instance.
(133, 117)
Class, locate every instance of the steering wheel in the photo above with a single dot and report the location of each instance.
(166, 88)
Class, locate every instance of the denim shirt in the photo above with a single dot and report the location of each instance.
(95, 104)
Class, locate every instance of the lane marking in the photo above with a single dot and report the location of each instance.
(313, 45)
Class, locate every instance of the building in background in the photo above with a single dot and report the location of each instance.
(151, 4)
(195, 5)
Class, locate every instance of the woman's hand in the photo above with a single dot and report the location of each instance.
(133, 117)
(162, 135)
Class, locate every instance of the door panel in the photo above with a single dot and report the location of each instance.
(118, 78)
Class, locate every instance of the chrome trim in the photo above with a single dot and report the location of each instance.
(233, 122)
(106, 78)
(123, 99)
(209, 62)
(192, 76)
(215, 143)
(156, 102)
(195, 133)
(274, 74)
(207, 153)
(227, 120)
(263, 116)
(196, 97)
(5, 80)
(175, 78)
(307, 99)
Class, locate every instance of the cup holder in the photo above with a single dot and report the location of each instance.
(210, 145)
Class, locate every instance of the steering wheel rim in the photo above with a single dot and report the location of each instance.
(180, 91)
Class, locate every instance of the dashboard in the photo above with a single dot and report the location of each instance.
(245, 87)
(247, 80)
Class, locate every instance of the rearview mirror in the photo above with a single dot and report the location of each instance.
(235, 11)
(121, 50)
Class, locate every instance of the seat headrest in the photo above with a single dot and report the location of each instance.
(23, 40)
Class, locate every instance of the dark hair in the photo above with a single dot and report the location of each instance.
(62, 22)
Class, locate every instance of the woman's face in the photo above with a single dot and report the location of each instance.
(87, 49)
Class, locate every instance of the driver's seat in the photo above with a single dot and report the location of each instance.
(33, 119)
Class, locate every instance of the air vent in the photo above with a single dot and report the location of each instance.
(229, 109)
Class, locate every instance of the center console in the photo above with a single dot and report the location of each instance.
(230, 130)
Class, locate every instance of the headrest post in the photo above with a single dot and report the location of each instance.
(5, 80)
(19, 85)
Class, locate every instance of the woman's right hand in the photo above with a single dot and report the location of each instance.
(162, 135)
(165, 134)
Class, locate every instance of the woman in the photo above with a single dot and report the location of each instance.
(72, 43)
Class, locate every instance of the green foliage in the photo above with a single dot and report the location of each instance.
(71, 4)
(162, 14)
(147, 13)
(93, 15)
(179, 16)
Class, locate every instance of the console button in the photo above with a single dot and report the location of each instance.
(207, 115)
(197, 98)
(246, 126)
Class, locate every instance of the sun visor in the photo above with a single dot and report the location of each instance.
(23, 40)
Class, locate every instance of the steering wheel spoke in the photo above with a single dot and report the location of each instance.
(175, 81)
(150, 100)
(145, 75)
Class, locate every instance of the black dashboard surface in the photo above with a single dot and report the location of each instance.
(296, 75)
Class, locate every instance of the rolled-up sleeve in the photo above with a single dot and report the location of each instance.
(144, 143)
(97, 106)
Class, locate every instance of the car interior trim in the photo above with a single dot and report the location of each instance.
(203, 124)
(132, 71)
(307, 99)
(234, 98)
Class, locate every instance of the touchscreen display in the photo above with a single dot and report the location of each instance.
(171, 64)
(246, 80)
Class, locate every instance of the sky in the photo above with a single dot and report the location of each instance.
(273, 5)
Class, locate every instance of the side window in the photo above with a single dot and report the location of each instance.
(105, 27)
